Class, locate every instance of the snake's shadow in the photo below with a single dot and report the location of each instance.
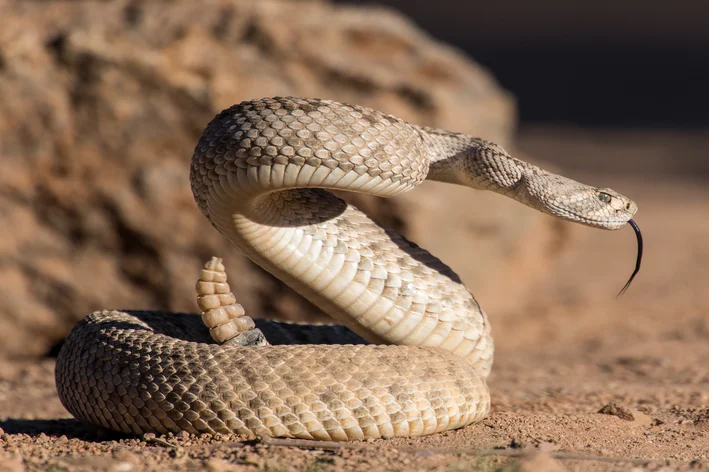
(189, 327)
(69, 427)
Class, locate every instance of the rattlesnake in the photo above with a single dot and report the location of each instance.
(260, 174)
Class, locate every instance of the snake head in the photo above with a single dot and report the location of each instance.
(615, 208)
(565, 198)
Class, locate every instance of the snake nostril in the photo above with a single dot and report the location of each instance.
(627, 206)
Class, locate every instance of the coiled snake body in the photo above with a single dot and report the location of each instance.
(260, 174)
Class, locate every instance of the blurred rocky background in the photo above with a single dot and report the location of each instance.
(102, 102)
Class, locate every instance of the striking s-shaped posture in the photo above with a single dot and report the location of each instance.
(260, 174)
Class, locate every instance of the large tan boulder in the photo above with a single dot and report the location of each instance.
(101, 104)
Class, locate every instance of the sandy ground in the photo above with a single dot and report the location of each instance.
(571, 349)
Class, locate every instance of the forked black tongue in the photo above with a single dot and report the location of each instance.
(639, 236)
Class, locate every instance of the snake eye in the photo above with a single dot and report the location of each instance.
(604, 197)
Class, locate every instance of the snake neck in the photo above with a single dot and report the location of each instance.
(483, 165)
(461, 159)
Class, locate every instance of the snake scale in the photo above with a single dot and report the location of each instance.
(261, 174)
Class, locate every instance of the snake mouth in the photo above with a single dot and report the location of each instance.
(639, 258)
(608, 222)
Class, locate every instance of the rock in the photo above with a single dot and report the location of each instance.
(620, 411)
(637, 418)
(103, 102)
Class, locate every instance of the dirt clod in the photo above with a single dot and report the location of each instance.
(616, 410)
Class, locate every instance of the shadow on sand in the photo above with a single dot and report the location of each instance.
(68, 427)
